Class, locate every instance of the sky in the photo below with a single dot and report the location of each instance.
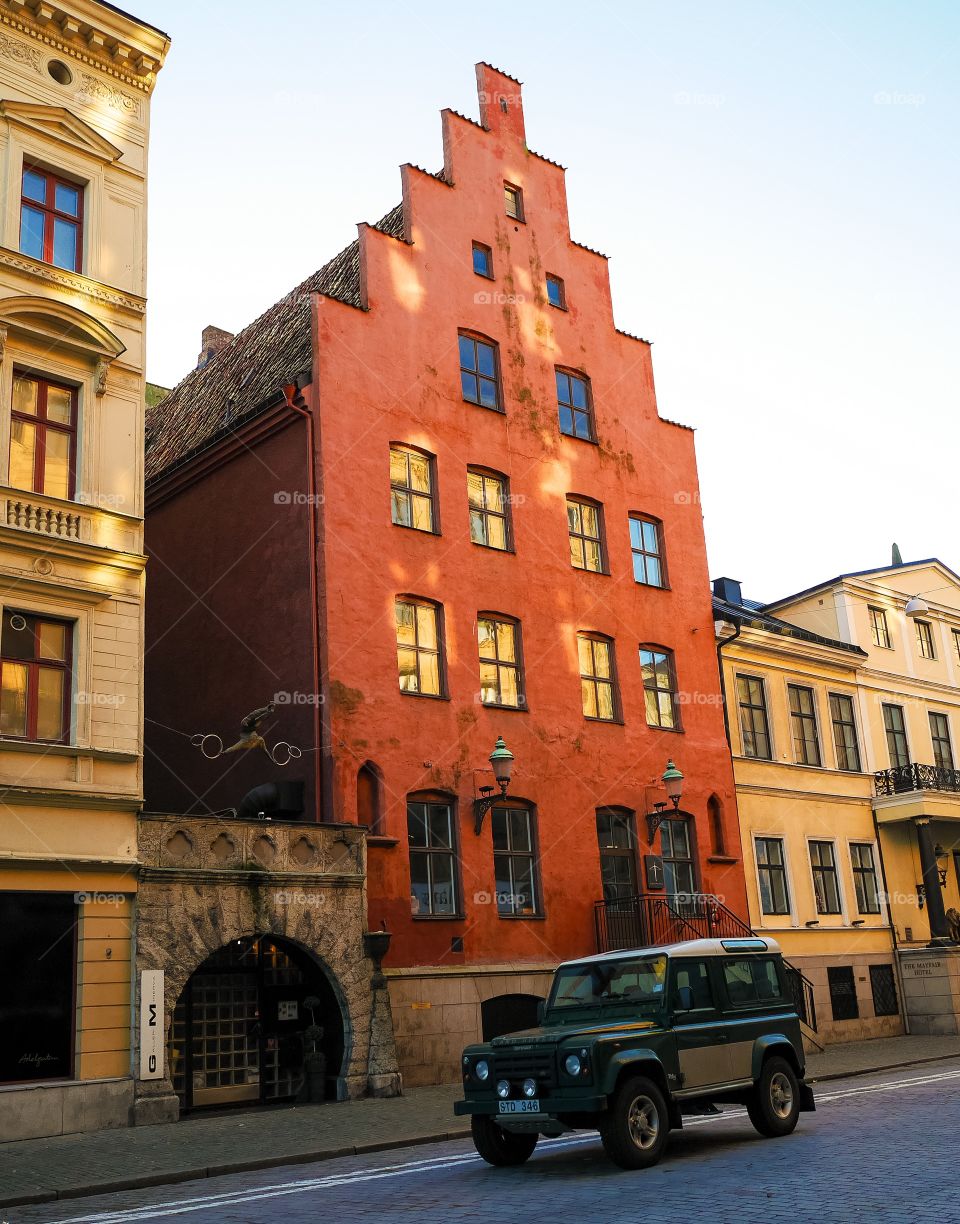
(776, 185)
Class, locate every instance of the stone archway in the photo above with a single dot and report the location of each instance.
(206, 883)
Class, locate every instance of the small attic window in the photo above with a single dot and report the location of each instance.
(513, 201)
(503, 105)
(60, 72)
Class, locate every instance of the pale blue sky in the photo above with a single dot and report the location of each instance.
(776, 185)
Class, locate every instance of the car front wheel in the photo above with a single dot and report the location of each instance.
(497, 1146)
(775, 1105)
(634, 1130)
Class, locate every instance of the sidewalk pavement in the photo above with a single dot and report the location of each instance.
(71, 1166)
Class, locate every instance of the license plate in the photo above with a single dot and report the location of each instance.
(527, 1106)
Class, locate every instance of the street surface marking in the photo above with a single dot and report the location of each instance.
(304, 1185)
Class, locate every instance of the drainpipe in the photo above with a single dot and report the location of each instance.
(294, 401)
(723, 688)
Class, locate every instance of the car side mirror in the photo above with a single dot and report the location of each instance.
(541, 1010)
(685, 998)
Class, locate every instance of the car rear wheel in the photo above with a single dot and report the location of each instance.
(634, 1130)
(497, 1146)
(774, 1107)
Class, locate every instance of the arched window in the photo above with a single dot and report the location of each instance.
(369, 797)
(715, 825)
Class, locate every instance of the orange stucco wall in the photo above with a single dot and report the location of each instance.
(391, 374)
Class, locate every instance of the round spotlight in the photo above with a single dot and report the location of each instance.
(529, 1087)
(572, 1064)
(503, 1088)
(482, 1069)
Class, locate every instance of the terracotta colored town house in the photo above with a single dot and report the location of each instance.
(424, 503)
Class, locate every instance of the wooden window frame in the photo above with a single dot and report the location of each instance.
(753, 708)
(628, 820)
(879, 629)
(667, 836)
(660, 556)
(532, 856)
(822, 873)
(898, 733)
(772, 870)
(51, 214)
(418, 601)
(500, 618)
(600, 539)
(488, 254)
(955, 633)
(597, 680)
(42, 424)
(552, 278)
(34, 666)
(862, 872)
(409, 492)
(799, 720)
(486, 513)
(925, 640)
(837, 722)
(438, 799)
(588, 412)
(476, 338)
(669, 657)
(941, 743)
(520, 213)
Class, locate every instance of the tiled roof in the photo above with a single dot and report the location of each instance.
(751, 614)
(249, 371)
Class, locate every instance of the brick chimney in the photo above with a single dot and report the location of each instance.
(214, 339)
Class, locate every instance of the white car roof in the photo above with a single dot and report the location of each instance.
(689, 947)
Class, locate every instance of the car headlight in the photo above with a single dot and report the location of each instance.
(529, 1087)
(572, 1064)
(503, 1088)
(481, 1069)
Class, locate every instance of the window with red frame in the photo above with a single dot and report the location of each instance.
(35, 668)
(43, 436)
(51, 219)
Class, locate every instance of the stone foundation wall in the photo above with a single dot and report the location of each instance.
(38, 1110)
(931, 987)
(868, 1024)
(437, 1012)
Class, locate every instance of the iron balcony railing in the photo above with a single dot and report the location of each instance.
(652, 921)
(903, 778)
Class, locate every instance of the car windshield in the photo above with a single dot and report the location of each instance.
(639, 981)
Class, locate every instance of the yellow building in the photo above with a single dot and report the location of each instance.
(803, 765)
(906, 620)
(74, 119)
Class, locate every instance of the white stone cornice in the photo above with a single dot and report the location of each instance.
(73, 281)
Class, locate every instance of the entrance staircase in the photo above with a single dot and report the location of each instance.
(652, 921)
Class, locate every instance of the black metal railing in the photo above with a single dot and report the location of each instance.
(652, 921)
(914, 777)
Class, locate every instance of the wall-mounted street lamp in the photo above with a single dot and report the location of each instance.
(502, 761)
(672, 780)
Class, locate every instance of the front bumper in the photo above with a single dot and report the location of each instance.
(554, 1107)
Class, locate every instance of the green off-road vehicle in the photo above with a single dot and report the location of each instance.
(631, 1042)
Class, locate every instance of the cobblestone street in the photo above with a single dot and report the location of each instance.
(867, 1153)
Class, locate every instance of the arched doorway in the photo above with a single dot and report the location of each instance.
(240, 1028)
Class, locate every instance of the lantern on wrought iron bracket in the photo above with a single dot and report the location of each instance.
(502, 761)
(672, 780)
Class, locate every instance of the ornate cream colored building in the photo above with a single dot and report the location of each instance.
(76, 79)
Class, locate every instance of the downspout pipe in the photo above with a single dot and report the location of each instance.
(294, 401)
(723, 687)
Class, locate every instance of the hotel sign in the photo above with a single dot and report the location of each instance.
(151, 1024)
